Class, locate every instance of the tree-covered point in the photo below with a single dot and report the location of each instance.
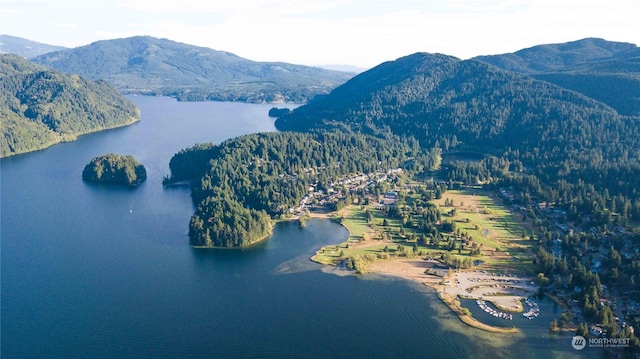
(241, 183)
(113, 168)
(277, 112)
(40, 107)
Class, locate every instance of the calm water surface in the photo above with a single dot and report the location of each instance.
(92, 271)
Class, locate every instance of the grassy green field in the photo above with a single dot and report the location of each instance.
(489, 222)
(477, 213)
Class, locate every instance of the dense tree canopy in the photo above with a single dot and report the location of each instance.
(40, 107)
(603, 70)
(264, 175)
(561, 145)
(115, 168)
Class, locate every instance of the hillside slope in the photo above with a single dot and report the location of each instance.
(466, 104)
(531, 134)
(149, 65)
(24, 47)
(604, 70)
(40, 107)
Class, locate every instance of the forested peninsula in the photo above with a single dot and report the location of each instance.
(40, 107)
(242, 184)
(550, 142)
(114, 168)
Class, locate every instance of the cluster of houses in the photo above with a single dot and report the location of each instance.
(352, 184)
(593, 259)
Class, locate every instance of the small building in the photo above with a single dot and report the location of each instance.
(391, 195)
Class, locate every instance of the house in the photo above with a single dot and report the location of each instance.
(391, 195)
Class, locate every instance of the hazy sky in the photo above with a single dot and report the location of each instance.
(319, 32)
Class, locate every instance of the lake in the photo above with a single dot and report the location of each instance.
(97, 271)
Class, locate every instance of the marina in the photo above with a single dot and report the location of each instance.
(531, 313)
(534, 310)
(494, 312)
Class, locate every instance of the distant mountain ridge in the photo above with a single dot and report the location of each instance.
(564, 56)
(24, 47)
(40, 107)
(604, 70)
(344, 68)
(148, 65)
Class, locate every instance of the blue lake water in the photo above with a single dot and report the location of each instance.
(92, 271)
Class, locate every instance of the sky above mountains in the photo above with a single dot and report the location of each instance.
(363, 33)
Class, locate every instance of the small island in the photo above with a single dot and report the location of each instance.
(114, 168)
(278, 112)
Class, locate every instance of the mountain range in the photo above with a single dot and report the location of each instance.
(148, 65)
(489, 98)
(24, 47)
(548, 96)
(603, 70)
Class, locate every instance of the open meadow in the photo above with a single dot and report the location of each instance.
(485, 244)
(479, 216)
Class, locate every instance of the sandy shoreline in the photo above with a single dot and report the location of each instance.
(461, 285)
(506, 292)
(495, 284)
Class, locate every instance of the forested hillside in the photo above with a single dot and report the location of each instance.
(569, 164)
(147, 65)
(544, 139)
(40, 107)
(604, 70)
(240, 184)
(465, 104)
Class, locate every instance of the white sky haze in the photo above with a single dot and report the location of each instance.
(318, 32)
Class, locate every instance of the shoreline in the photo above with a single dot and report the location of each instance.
(406, 269)
(471, 321)
(263, 239)
(59, 138)
(274, 222)
(450, 302)
(413, 270)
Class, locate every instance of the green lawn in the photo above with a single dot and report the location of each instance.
(355, 220)
(497, 227)
(498, 230)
